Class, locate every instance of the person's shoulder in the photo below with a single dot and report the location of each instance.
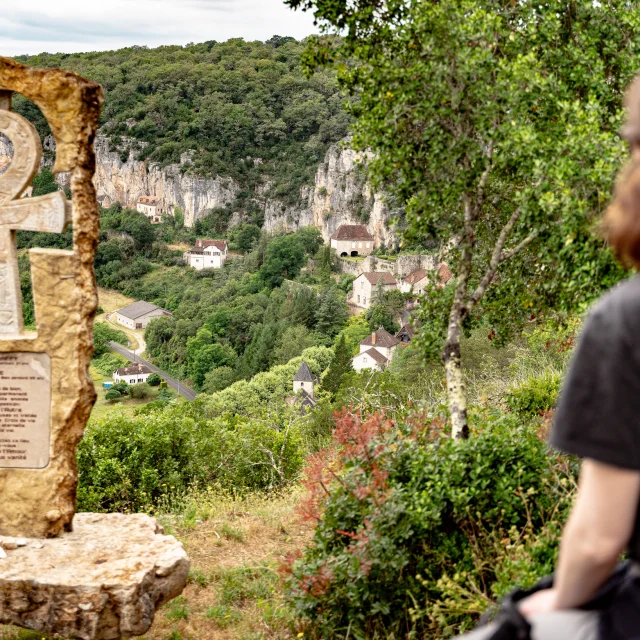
(619, 305)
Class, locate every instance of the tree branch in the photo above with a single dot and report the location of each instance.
(496, 258)
(512, 252)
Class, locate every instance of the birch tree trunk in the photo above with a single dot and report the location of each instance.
(456, 393)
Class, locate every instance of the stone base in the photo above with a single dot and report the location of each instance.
(103, 580)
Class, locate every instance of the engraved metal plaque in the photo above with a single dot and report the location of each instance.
(25, 410)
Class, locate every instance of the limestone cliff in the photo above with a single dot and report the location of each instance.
(126, 181)
(340, 196)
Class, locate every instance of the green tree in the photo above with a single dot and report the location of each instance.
(340, 365)
(387, 307)
(44, 182)
(219, 379)
(178, 217)
(495, 124)
(284, 257)
(293, 342)
(104, 333)
(332, 312)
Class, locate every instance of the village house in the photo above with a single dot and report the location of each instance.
(139, 314)
(133, 374)
(365, 284)
(152, 207)
(376, 351)
(207, 254)
(352, 240)
(417, 281)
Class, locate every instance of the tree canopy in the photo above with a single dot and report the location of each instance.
(496, 124)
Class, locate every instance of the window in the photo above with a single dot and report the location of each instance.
(364, 300)
(362, 284)
(368, 245)
(358, 298)
(364, 360)
(353, 245)
(360, 245)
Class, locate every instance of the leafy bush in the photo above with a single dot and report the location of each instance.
(154, 380)
(112, 395)
(535, 396)
(140, 462)
(139, 391)
(400, 549)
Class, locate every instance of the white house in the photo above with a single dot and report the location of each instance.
(352, 240)
(207, 254)
(139, 314)
(365, 284)
(376, 351)
(152, 207)
(133, 374)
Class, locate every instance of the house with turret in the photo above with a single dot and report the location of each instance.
(304, 386)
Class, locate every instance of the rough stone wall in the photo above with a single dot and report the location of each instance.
(400, 268)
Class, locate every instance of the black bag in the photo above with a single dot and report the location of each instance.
(617, 601)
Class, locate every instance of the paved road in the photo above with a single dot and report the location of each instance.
(172, 382)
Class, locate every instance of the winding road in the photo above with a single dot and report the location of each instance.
(185, 392)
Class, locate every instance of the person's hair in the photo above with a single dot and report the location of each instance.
(621, 224)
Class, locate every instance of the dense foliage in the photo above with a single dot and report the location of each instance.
(243, 438)
(411, 531)
(495, 123)
(236, 108)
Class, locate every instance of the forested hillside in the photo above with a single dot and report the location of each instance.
(245, 108)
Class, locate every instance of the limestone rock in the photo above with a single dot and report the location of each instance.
(104, 580)
(40, 502)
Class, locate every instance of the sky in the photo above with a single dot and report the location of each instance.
(68, 26)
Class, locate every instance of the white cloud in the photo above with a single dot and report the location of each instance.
(34, 26)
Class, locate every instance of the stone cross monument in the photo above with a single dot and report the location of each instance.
(86, 575)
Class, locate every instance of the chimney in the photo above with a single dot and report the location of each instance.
(373, 338)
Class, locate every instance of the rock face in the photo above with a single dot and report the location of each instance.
(340, 196)
(126, 182)
(103, 581)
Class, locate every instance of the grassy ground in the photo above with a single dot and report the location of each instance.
(111, 300)
(102, 407)
(233, 593)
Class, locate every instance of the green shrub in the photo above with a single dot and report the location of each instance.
(535, 396)
(112, 395)
(154, 380)
(154, 457)
(400, 549)
(140, 391)
(104, 333)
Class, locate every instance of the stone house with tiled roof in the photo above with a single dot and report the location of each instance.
(364, 286)
(152, 207)
(376, 351)
(417, 281)
(352, 240)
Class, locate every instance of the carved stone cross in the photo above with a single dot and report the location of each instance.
(44, 213)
